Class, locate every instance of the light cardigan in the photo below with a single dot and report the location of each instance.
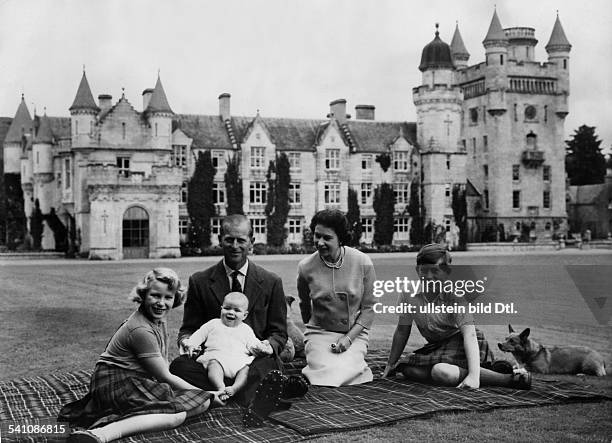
(336, 299)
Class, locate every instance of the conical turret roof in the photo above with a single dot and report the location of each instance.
(158, 102)
(436, 55)
(558, 40)
(44, 133)
(457, 46)
(84, 98)
(22, 123)
(496, 32)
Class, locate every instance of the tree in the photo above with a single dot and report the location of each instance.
(36, 226)
(384, 160)
(15, 216)
(584, 162)
(384, 202)
(233, 185)
(354, 217)
(200, 203)
(277, 207)
(459, 206)
(416, 212)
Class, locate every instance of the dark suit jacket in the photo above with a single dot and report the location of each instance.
(267, 307)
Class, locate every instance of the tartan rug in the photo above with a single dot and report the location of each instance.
(321, 410)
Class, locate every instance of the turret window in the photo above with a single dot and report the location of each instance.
(123, 130)
(76, 127)
(67, 175)
(501, 59)
(564, 63)
(155, 129)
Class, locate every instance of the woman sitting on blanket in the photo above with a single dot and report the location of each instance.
(131, 389)
(456, 350)
(335, 287)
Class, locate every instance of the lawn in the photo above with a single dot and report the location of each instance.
(58, 316)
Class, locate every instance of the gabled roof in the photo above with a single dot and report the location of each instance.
(207, 131)
(496, 32)
(558, 41)
(292, 134)
(158, 101)
(43, 133)
(22, 123)
(457, 46)
(375, 136)
(84, 98)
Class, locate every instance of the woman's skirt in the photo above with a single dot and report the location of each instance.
(116, 393)
(326, 368)
(449, 351)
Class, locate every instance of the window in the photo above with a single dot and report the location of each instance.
(366, 193)
(183, 226)
(474, 115)
(564, 63)
(447, 194)
(485, 170)
(474, 145)
(295, 193)
(401, 160)
(259, 226)
(447, 224)
(367, 225)
(401, 228)
(516, 175)
(516, 199)
(184, 192)
(515, 113)
(332, 193)
(76, 127)
(546, 199)
(123, 130)
(332, 159)
(486, 198)
(218, 159)
(545, 113)
(123, 163)
(464, 144)
(218, 193)
(546, 173)
(448, 159)
(155, 129)
(215, 226)
(37, 157)
(257, 192)
(401, 192)
(67, 174)
(485, 143)
(295, 160)
(295, 226)
(501, 59)
(257, 157)
(366, 162)
(179, 156)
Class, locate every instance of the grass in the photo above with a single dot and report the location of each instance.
(59, 315)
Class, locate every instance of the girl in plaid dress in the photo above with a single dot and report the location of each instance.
(456, 351)
(131, 390)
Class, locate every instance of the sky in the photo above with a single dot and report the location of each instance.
(283, 58)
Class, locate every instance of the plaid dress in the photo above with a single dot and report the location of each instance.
(116, 393)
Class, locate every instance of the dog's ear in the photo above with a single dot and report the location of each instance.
(525, 334)
(289, 299)
(510, 329)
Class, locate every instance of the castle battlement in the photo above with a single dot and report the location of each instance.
(109, 175)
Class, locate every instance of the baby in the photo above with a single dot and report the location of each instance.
(227, 345)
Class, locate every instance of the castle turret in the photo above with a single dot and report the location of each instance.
(159, 114)
(42, 164)
(458, 51)
(20, 126)
(496, 54)
(438, 104)
(558, 49)
(83, 114)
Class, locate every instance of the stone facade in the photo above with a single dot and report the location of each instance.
(117, 177)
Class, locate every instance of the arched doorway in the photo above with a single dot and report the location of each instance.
(135, 233)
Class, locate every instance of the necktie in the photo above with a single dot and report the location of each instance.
(236, 287)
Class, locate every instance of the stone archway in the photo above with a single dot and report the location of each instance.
(135, 230)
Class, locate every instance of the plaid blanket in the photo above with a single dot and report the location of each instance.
(322, 410)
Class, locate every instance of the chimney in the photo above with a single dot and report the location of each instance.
(364, 112)
(146, 98)
(105, 101)
(224, 106)
(337, 110)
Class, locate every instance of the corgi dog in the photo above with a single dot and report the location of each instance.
(556, 360)
(294, 348)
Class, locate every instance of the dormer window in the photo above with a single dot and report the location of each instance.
(257, 157)
(332, 159)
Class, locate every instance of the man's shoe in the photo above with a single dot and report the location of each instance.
(294, 386)
(267, 399)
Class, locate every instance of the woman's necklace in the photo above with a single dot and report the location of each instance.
(338, 263)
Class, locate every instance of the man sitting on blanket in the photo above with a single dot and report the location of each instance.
(456, 350)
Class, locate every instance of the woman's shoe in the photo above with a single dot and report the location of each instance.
(294, 386)
(521, 379)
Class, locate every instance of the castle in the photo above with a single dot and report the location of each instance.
(118, 176)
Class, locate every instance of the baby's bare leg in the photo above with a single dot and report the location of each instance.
(215, 375)
(239, 381)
